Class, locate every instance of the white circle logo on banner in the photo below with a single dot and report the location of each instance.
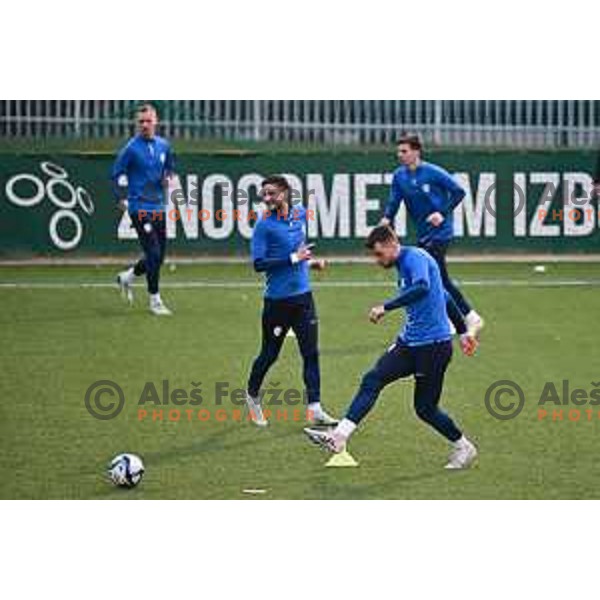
(20, 200)
(85, 201)
(61, 193)
(55, 199)
(53, 170)
(59, 242)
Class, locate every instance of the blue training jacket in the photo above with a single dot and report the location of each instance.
(423, 296)
(425, 190)
(140, 168)
(275, 238)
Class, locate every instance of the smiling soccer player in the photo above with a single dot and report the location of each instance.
(279, 250)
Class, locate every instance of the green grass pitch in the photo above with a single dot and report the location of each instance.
(57, 339)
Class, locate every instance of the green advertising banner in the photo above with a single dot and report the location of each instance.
(62, 205)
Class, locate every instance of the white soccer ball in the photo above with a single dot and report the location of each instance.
(126, 470)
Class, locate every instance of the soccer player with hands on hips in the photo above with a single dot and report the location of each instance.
(140, 178)
(431, 195)
(423, 348)
(279, 250)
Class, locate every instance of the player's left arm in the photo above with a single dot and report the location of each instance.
(455, 315)
(455, 192)
(169, 169)
(468, 342)
(316, 264)
(454, 195)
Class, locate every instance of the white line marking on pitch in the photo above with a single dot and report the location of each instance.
(320, 284)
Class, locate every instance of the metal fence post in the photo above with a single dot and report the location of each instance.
(257, 120)
(437, 122)
(77, 119)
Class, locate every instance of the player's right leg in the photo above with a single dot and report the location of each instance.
(125, 281)
(275, 324)
(395, 364)
(126, 278)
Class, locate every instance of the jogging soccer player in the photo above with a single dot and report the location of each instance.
(140, 176)
(423, 348)
(431, 195)
(279, 250)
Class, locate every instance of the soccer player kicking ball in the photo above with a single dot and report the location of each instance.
(279, 250)
(431, 195)
(139, 175)
(423, 348)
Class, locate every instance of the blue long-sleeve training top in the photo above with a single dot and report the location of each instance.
(423, 296)
(425, 190)
(274, 239)
(139, 172)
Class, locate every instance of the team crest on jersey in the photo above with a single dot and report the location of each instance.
(426, 188)
(163, 157)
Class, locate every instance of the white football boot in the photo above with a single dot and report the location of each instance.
(316, 415)
(326, 439)
(463, 455)
(158, 308)
(125, 281)
(255, 410)
(474, 324)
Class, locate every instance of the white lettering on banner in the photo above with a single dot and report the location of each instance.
(400, 219)
(184, 206)
(578, 208)
(331, 215)
(333, 209)
(478, 212)
(363, 204)
(223, 216)
(245, 202)
(537, 226)
(519, 205)
(341, 205)
(125, 230)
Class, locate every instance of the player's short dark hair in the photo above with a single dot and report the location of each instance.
(412, 139)
(146, 107)
(278, 181)
(381, 234)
